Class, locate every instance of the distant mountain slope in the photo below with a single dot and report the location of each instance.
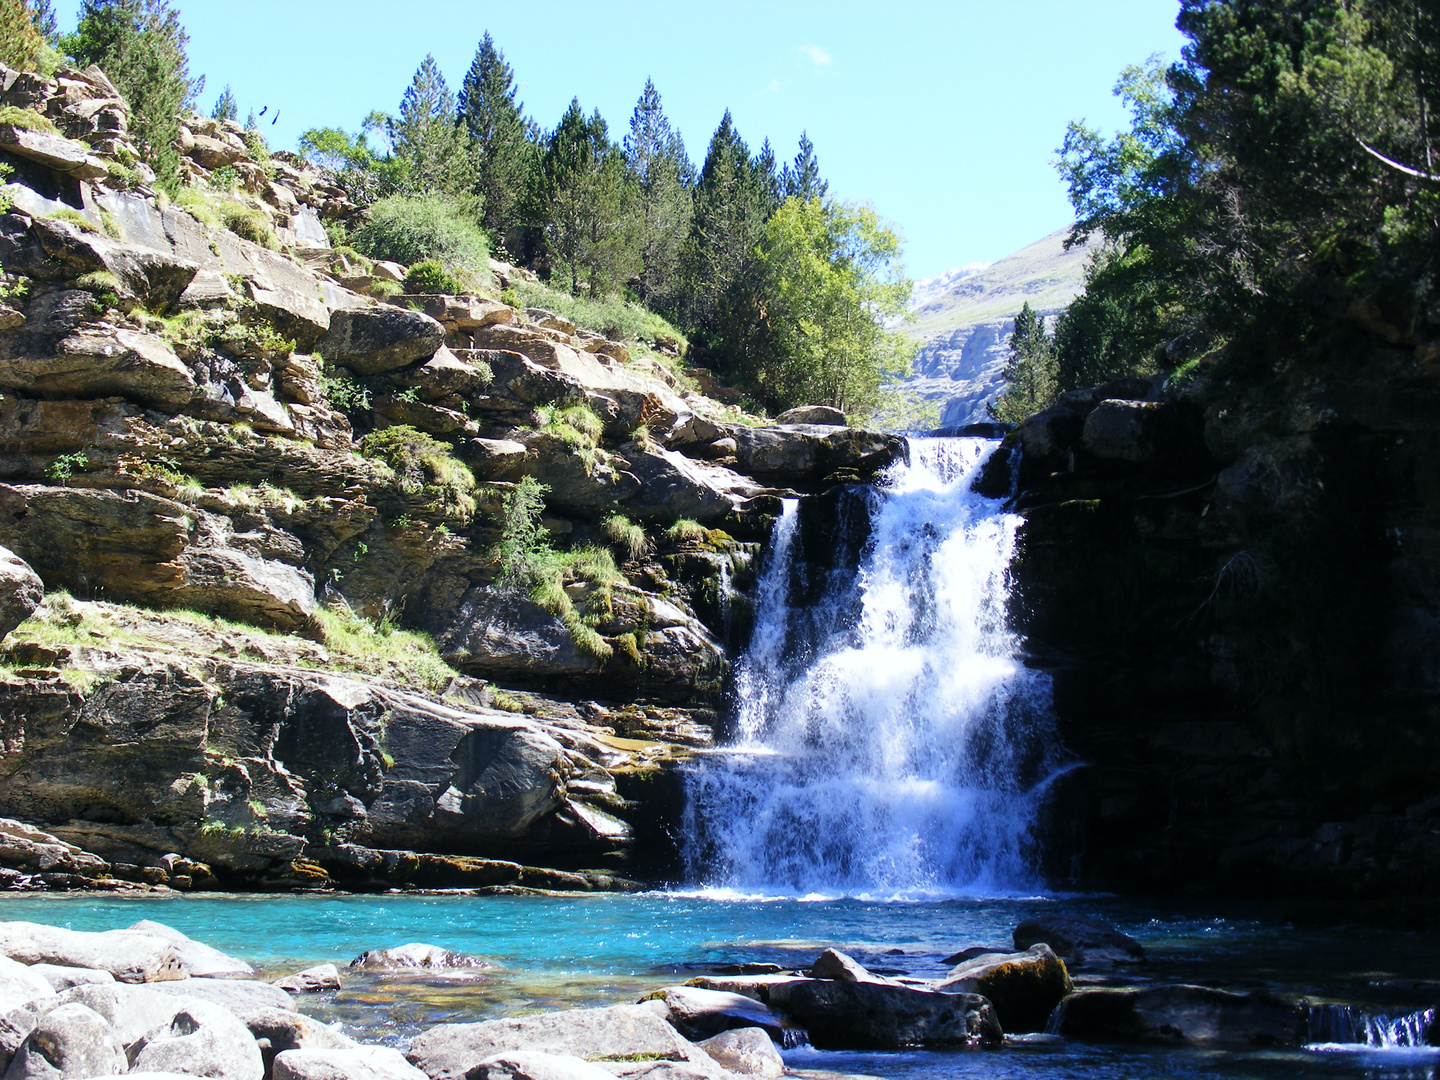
(966, 322)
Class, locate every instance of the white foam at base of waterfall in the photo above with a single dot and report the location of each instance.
(889, 743)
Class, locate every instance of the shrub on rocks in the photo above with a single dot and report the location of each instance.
(409, 229)
(430, 276)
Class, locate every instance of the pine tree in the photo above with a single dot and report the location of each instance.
(226, 107)
(731, 205)
(426, 137)
(42, 13)
(663, 174)
(1031, 372)
(140, 45)
(802, 179)
(766, 176)
(503, 150)
(587, 205)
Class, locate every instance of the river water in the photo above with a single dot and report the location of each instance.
(891, 751)
(559, 952)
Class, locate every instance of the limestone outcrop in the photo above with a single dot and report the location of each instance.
(207, 409)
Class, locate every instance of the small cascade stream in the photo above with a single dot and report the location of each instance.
(888, 740)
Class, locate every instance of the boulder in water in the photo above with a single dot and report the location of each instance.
(833, 964)
(1024, 987)
(1181, 1014)
(278, 1030)
(747, 1051)
(415, 955)
(843, 1015)
(1082, 943)
(311, 980)
(699, 1014)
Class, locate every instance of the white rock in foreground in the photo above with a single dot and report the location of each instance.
(128, 956)
(199, 959)
(359, 1063)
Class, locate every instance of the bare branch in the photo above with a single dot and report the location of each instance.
(1420, 174)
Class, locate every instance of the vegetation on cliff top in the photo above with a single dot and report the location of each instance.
(1277, 184)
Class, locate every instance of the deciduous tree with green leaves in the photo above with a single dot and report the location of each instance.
(830, 280)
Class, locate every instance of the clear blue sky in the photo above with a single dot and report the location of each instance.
(944, 115)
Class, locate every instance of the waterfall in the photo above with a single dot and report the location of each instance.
(1347, 1025)
(887, 739)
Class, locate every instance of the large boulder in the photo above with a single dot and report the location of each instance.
(353, 1063)
(1024, 987)
(68, 1042)
(699, 1014)
(156, 278)
(132, 1011)
(65, 978)
(140, 548)
(21, 591)
(201, 1039)
(536, 1065)
(1181, 1014)
(20, 984)
(1122, 430)
(497, 632)
(100, 363)
(842, 1015)
(747, 1051)
(1082, 943)
(834, 964)
(380, 339)
(624, 1032)
(239, 996)
(128, 956)
(818, 415)
(199, 959)
(808, 453)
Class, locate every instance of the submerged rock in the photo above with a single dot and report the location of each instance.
(1024, 987)
(1082, 943)
(1190, 1015)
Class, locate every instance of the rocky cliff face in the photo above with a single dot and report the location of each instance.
(1237, 590)
(965, 323)
(205, 411)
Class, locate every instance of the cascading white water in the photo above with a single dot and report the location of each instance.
(888, 740)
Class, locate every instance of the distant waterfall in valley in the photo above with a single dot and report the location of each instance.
(888, 739)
